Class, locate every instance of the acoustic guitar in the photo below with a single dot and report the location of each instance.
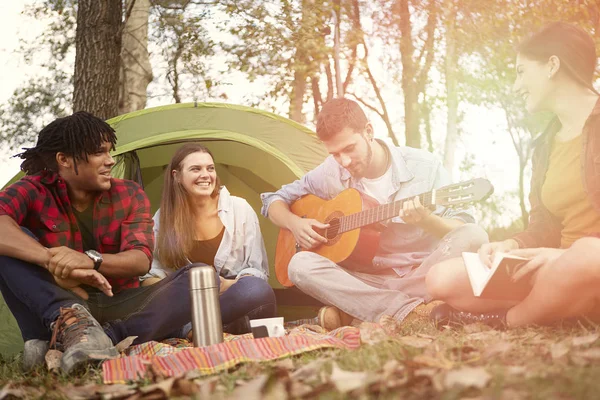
(353, 232)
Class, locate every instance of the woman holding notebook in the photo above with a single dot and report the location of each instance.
(555, 70)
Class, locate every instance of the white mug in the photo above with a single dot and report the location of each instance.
(272, 327)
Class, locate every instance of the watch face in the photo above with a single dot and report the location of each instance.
(94, 255)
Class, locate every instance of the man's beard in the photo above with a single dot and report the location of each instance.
(367, 164)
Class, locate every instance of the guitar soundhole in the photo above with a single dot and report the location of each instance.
(332, 233)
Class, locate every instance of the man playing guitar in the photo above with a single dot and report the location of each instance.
(409, 244)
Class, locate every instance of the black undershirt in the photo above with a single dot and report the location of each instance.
(85, 221)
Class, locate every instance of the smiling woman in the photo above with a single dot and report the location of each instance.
(555, 71)
(200, 222)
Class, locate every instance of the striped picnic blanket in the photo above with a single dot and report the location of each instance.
(176, 356)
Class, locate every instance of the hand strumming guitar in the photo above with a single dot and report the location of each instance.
(304, 232)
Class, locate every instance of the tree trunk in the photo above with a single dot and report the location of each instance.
(300, 63)
(97, 59)
(136, 71)
(409, 73)
(450, 68)
(415, 68)
(524, 213)
(337, 14)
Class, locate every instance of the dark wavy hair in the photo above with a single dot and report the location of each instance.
(77, 136)
(572, 45)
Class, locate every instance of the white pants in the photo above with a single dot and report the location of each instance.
(368, 297)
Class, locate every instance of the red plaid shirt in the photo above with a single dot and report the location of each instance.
(122, 218)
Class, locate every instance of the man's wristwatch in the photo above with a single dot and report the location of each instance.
(96, 258)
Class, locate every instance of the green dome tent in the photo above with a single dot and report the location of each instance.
(255, 151)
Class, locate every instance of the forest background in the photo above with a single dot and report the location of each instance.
(430, 73)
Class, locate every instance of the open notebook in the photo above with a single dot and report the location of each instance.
(495, 283)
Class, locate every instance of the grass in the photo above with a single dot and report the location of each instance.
(416, 362)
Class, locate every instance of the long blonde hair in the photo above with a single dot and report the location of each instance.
(176, 234)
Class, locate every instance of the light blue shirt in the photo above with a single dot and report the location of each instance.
(242, 250)
(414, 171)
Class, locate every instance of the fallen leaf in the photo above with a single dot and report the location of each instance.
(497, 348)
(310, 370)
(487, 335)
(125, 343)
(286, 363)
(251, 390)
(438, 361)
(427, 372)
(516, 370)
(476, 328)
(589, 354)
(391, 367)
(207, 387)
(559, 350)
(53, 358)
(464, 353)
(81, 392)
(164, 386)
(426, 336)
(372, 333)
(346, 381)
(468, 377)
(585, 340)
(299, 389)
(116, 391)
(7, 391)
(415, 341)
(185, 387)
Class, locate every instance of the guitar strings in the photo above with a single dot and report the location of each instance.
(360, 218)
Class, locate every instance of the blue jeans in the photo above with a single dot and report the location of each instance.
(150, 312)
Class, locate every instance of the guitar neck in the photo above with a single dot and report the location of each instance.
(381, 213)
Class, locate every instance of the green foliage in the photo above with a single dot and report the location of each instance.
(48, 95)
(177, 27)
(276, 39)
(34, 105)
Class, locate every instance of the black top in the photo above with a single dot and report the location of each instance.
(204, 251)
(85, 221)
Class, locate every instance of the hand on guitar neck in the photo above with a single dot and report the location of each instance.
(413, 212)
(306, 232)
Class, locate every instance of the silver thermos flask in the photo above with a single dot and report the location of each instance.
(206, 310)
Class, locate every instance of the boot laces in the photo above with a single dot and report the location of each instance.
(71, 327)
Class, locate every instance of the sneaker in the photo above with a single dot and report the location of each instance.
(34, 354)
(445, 315)
(80, 337)
(331, 318)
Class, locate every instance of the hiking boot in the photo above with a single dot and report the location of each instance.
(445, 315)
(34, 354)
(80, 337)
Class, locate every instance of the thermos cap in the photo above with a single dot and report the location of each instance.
(203, 277)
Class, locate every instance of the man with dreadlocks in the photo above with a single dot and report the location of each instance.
(71, 237)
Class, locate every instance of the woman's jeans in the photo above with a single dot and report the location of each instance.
(149, 312)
